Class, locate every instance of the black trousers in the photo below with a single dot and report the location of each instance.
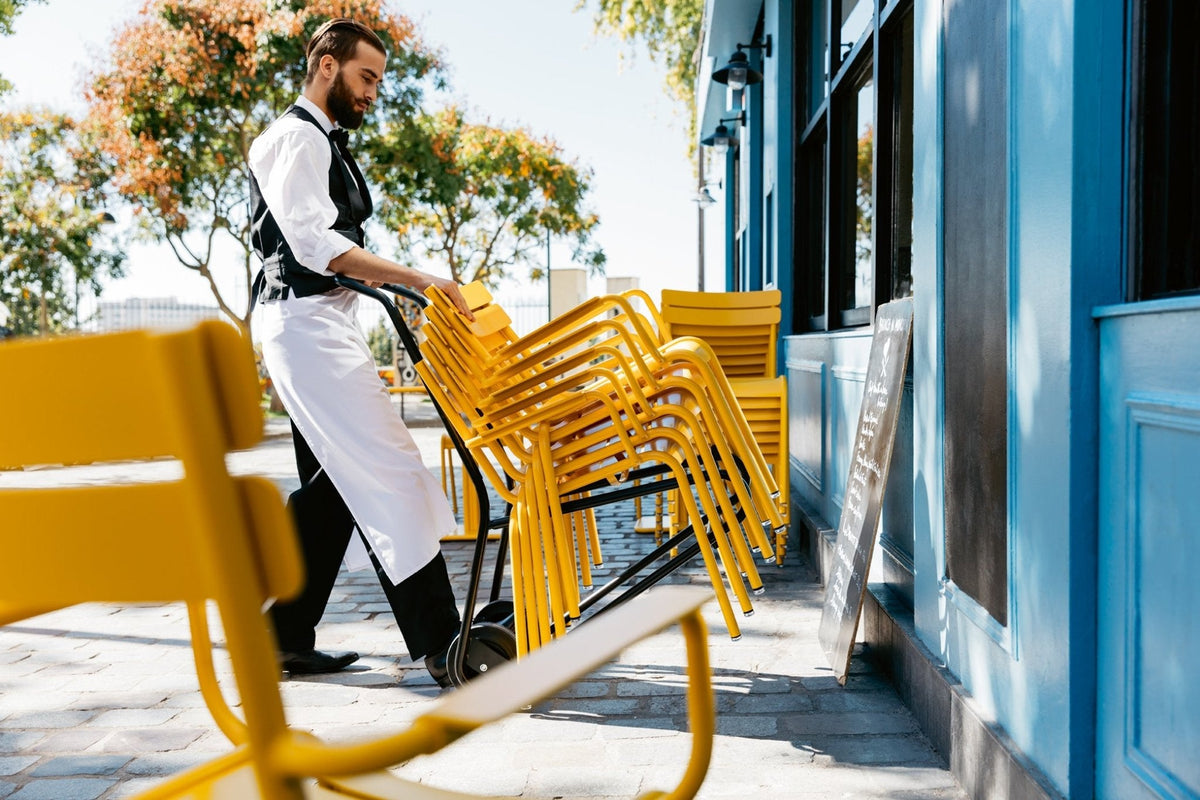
(423, 603)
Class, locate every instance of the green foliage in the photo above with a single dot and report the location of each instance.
(864, 211)
(379, 339)
(480, 199)
(670, 29)
(52, 248)
(8, 12)
(189, 84)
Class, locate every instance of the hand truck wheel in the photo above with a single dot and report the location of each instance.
(488, 646)
(497, 611)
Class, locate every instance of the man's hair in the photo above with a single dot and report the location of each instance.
(339, 38)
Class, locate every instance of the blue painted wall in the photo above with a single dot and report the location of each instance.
(1036, 677)
(1020, 674)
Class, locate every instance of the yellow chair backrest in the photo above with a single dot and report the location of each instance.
(209, 536)
(190, 395)
(741, 327)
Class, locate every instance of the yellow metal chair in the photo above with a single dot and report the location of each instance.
(470, 505)
(606, 332)
(742, 328)
(209, 536)
(569, 408)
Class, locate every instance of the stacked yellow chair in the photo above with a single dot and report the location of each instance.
(592, 396)
(210, 536)
(742, 328)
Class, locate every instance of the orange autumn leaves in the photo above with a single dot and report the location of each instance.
(190, 83)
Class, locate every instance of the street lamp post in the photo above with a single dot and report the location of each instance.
(700, 189)
(704, 200)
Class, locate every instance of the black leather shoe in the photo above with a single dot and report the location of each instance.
(436, 664)
(314, 662)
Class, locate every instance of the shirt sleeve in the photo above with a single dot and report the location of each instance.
(292, 170)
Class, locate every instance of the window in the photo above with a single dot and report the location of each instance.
(856, 17)
(813, 42)
(853, 162)
(856, 266)
(810, 232)
(1165, 179)
(893, 240)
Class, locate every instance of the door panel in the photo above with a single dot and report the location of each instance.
(1148, 705)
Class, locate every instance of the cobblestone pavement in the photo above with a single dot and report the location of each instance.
(99, 702)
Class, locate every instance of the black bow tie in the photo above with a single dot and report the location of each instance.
(340, 137)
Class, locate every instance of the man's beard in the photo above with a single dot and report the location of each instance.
(342, 103)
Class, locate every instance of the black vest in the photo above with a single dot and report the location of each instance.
(281, 273)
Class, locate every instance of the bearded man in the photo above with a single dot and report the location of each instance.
(360, 470)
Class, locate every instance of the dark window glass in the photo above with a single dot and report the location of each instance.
(810, 231)
(1165, 158)
(901, 167)
(812, 40)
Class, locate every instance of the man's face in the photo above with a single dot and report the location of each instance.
(354, 86)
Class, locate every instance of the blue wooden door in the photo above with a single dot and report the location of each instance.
(1148, 702)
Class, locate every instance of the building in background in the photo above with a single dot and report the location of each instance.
(148, 312)
(1026, 172)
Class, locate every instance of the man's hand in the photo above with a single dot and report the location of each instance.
(372, 270)
(452, 291)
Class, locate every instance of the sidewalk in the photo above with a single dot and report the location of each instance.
(99, 702)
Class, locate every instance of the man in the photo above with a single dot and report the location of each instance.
(359, 467)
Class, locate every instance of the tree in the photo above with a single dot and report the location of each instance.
(51, 215)
(480, 199)
(187, 87)
(670, 29)
(379, 339)
(8, 12)
(864, 193)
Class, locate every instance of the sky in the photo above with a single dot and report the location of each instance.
(530, 63)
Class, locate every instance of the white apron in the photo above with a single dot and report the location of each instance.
(323, 370)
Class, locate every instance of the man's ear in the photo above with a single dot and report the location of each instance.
(328, 66)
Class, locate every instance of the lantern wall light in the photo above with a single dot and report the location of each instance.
(738, 74)
(722, 138)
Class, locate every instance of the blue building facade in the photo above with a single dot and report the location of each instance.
(1026, 171)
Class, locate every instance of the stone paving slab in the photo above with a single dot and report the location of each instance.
(99, 702)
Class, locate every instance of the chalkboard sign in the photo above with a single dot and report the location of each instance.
(873, 440)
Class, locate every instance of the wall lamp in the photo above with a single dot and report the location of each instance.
(704, 197)
(738, 74)
(722, 139)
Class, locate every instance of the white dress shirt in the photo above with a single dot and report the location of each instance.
(290, 161)
(324, 371)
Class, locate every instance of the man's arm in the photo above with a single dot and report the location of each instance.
(364, 266)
